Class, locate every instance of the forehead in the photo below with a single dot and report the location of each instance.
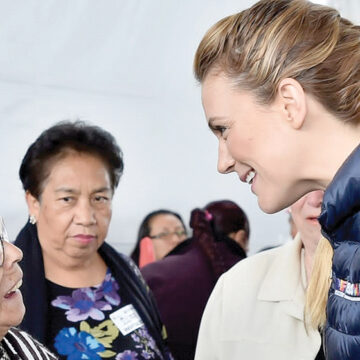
(164, 220)
(74, 168)
(214, 86)
(222, 98)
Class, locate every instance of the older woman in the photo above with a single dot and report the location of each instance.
(14, 344)
(165, 228)
(183, 280)
(90, 301)
(281, 91)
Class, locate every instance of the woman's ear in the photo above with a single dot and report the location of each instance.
(292, 100)
(33, 204)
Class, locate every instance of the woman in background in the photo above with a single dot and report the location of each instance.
(183, 280)
(165, 228)
(256, 310)
(90, 302)
(281, 91)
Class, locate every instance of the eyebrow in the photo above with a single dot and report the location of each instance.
(72, 191)
(213, 119)
(66, 190)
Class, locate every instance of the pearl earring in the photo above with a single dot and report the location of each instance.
(32, 219)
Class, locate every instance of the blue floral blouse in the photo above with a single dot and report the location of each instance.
(81, 328)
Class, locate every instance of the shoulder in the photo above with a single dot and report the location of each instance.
(18, 342)
(122, 266)
(177, 266)
(240, 287)
(133, 267)
(253, 267)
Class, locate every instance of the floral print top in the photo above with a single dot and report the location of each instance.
(81, 328)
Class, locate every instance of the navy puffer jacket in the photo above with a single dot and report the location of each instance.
(340, 222)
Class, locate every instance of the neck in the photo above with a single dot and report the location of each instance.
(310, 246)
(3, 331)
(329, 141)
(75, 273)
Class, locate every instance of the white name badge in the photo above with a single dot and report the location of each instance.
(126, 319)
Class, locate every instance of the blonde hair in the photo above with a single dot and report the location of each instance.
(317, 291)
(277, 39)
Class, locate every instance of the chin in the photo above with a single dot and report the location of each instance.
(19, 318)
(271, 207)
(12, 315)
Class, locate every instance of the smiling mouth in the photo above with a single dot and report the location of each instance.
(250, 176)
(13, 289)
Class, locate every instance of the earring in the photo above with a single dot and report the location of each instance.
(32, 219)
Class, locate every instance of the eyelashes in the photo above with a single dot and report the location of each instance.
(219, 130)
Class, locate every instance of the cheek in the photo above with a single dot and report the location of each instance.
(53, 227)
(103, 220)
(234, 146)
(239, 145)
(161, 248)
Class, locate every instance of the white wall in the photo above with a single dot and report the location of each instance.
(125, 65)
(349, 9)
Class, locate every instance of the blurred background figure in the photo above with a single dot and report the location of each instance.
(183, 280)
(90, 301)
(293, 229)
(163, 230)
(14, 343)
(256, 310)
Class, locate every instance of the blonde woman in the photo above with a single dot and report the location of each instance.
(281, 91)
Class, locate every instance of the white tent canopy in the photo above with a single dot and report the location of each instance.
(125, 65)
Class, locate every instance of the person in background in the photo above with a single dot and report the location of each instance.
(293, 229)
(256, 310)
(165, 230)
(14, 343)
(184, 279)
(83, 299)
(281, 91)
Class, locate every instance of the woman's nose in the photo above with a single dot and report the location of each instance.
(225, 161)
(12, 254)
(85, 214)
(315, 198)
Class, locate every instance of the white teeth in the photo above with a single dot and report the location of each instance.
(17, 286)
(250, 176)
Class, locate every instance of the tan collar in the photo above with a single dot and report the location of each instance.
(283, 282)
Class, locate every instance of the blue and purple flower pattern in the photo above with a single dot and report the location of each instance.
(109, 290)
(145, 343)
(127, 355)
(78, 345)
(92, 303)
(82, 304)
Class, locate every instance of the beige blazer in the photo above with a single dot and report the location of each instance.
(256, 311)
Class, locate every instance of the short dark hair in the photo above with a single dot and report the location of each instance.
(144, 230)
(57, 141)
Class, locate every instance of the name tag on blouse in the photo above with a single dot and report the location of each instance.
(126, 319)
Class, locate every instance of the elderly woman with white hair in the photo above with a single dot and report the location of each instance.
(14, 343)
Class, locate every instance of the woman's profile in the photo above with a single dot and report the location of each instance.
(281, 91)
